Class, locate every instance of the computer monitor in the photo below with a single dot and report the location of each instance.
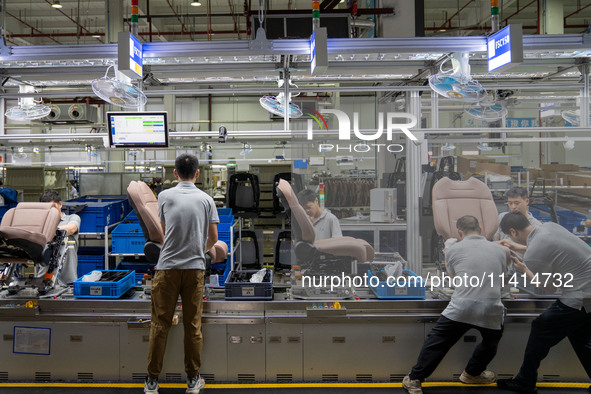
(138, 129)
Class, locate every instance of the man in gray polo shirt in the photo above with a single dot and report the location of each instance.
(189, 221)
(472, 305)
(550, 249)
(326, 225)
(517, 201)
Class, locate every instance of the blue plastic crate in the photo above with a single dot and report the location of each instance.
(140, 269)
(227, 269)
(119, 209)
(415, 290)
(96, 215)
(131, 217)
(247, 291)
(104, 289)
(541, 215)
(572, 221)
(226, 218)
(128, 238)
(224, 211)
(90, 259)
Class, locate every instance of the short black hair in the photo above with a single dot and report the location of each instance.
(306, 196)
(50, 196)
(186, 165)
(468, 224)
(514, 220)
(517, 192)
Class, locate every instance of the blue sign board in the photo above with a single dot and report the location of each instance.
(505, 48)
(522, 122)
(318, 51)
(130, 55)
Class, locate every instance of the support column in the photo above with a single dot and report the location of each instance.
(585, 96)
(552, 17)
(414, 254)
(114, 17)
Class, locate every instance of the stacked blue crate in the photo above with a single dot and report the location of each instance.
(128, 238)
(540, 215)
(224, 231)
(573, 222)
(90, 259)
(100, 211)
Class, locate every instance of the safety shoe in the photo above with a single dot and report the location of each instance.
(151, 386)
(589, 389)
(516, 386)
(195, 384)
(412, 386)
(486, 377)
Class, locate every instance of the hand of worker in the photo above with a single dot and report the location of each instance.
(518, 263)
(588, 223)
(512, 245)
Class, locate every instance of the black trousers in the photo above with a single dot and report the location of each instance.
(556, 323)
(443, 336)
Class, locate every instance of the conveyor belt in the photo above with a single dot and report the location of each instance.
(308, 388)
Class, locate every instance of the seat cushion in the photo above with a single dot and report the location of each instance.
(346, 246)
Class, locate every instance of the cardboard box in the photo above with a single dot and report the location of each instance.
(478, 165)
(579, 179)
(561, 167)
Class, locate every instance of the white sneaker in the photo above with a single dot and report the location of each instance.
(486, 377)
(412, 386)
(194, 385)
(151, 386)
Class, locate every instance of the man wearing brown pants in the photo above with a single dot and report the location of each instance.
(188, 217)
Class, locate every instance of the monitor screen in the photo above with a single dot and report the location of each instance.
(138, 129)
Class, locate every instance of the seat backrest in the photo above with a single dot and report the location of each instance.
(302, 227)
(243, 192)
(145, 204)
(283, 250)
(35, 217)
(248, 250)
(454, 199)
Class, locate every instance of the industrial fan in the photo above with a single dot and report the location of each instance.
(27, 108)
(486, 110)
(116, 91)
(276, 104)
(573, 117)
(456, 83)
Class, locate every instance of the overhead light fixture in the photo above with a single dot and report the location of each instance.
(96, 36)
(341, 2)
(56, 4)
(195, 4)
(442, 30)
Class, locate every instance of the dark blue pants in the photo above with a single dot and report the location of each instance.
(548, 329)
(443, 336)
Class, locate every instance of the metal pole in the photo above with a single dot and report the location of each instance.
(585, 96)
(414, 254)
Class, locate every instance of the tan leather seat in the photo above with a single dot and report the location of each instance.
(145, 205)
(27, 229)
(359, 249)
(454, 199)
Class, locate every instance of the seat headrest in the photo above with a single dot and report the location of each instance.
(454, 199)
(145, 205)
(302, 224)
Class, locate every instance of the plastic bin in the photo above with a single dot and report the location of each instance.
(414, 290)
(224, 211)
(226, 219)
(221, 277)
(90, 259)
(131, 218)
(572, 221)
(247, 291)
(541, 215)
(128, 238)
(140, 269)
(104, 289)
(96, 215)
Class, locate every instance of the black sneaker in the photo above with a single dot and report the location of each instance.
(589, 389)
(516, 386)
